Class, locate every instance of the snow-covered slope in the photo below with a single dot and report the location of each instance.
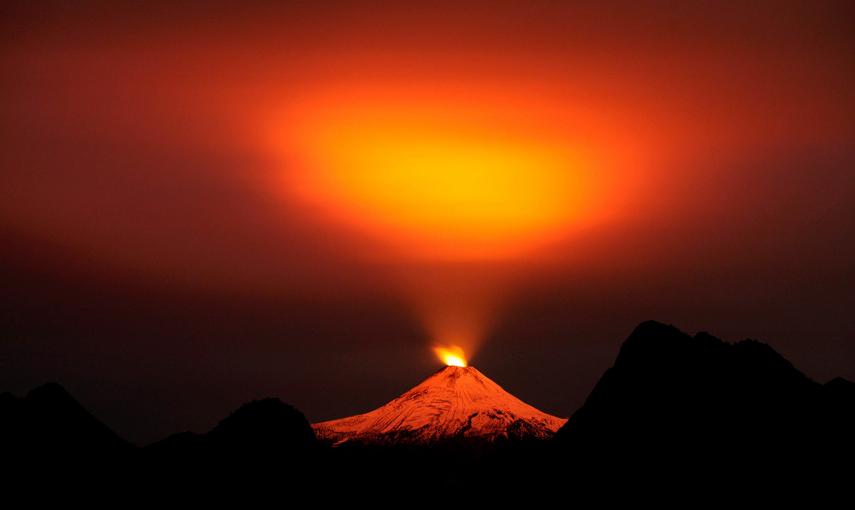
(454, 402)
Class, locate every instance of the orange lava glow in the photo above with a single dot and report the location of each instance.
(452, 355)
(439, 178)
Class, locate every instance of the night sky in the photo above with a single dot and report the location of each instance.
(203, 204)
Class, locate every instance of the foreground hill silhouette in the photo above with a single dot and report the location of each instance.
(698, 406)
(261, 428)
(49, 423)
(264, 442)
(674, 411)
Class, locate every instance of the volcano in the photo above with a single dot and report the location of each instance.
(453, 403)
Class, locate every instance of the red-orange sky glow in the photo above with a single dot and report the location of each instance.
(456, 184)
(440, 178)
(448, 166)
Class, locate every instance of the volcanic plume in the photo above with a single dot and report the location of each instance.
(455, 402)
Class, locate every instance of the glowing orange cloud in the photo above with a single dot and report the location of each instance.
(452, 183)
(456, 186)
(439, 178)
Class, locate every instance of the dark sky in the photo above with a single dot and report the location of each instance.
(168, 252)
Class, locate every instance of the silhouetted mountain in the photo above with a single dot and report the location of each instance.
(268, 426)
(50, 438)
(265, 445)
(261, 429)
(50, 424)
(674, 413)
(694, 405)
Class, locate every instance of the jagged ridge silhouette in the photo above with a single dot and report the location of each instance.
(672, 407)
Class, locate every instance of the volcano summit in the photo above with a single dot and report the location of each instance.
(455, 402)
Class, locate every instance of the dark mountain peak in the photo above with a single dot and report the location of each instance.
(666, 348)
(257, 433)
(49, 389)
(267, 412)
(653, 344)
(841, 391)
(654, 331)
(668, 390)
(267, 424)
(647, 341)
(49, 420)
(841, 383)
(53, 401)
(52, 393)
